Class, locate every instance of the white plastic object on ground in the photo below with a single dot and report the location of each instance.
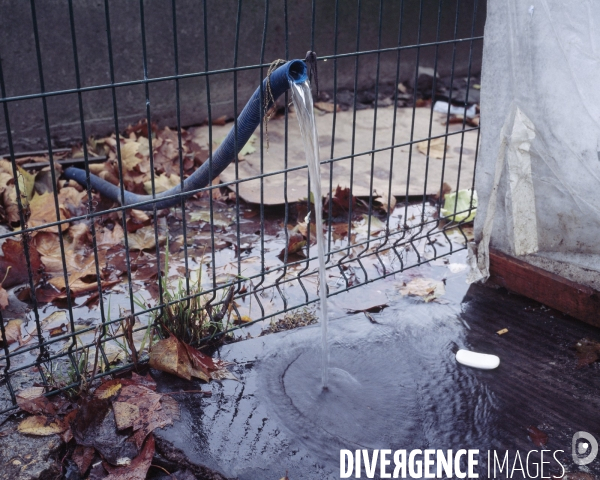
(483, 361)
(442, 107)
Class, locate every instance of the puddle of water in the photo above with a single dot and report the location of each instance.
(392, 385)
(302, 98)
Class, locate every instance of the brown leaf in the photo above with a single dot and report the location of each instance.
(67, 435)
(94, 426)
(302, 227)
(83, 457)
(339, 230)
(173, 356)
(446, 188)
(128, 155)
(11, 207)
(383, 200)
(143, 410)
(136, 220)
(296, 243)
(12, 330)
(3, 298)
(80, 235)
(14, 257)
(142, 239)
(170, 356)
(146, 381)
(425, 288)
(126, 414)
(109, 237)
(222, 120)
(138, 468)
(202, 364)
(41, 426)
(43, 211)
(588, 352)
(32, 400)
(327, 107)
(57, 331)
(162, 183)
(341, 202)
(437, 147)
(539, 438)
(30, 393)
(108, 389)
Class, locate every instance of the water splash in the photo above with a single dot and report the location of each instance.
(302, 98)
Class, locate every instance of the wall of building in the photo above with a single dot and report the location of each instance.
(21, 72)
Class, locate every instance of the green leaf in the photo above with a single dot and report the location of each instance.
(461, 203)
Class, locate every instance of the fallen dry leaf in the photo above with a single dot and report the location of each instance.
(143, 239)
(296, 242)
(94, 425)
(80, 235)
(109, 237)
(369, 225)
(327, 107)
(137, 219)
(138, 468)
(539, 438)
(128, 155)
(218, 219)
(126, 414)
(12, 331)
(3, 298)
(32, 400)
(173, 356)
(26, 183)
(437, 147)
(57, 331)
(170, 356)
(83, 456)
(588, 352)
(425, 288)
(41, 426)
(383, 200)
(162, 183)
(341, 202)
(43, 211)
(14, 258)
(241, 320)
(108, 389)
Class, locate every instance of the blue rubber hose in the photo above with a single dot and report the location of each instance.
(272, 87)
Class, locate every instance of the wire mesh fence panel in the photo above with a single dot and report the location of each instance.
(143, 94)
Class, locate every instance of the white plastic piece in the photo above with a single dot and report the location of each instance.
(442, 107)
(483, 361)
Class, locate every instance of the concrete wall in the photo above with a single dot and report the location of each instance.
(21, 75)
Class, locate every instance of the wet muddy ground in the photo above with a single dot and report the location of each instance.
(396, 384)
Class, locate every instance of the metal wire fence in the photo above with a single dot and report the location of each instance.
(374, 235)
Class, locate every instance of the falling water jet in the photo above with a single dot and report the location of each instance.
(302, 98)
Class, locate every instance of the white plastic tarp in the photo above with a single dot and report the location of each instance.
(538, 172)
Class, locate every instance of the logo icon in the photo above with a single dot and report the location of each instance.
(584, 451)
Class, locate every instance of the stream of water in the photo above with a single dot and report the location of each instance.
(302, 98)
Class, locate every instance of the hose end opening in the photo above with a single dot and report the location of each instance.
(297, 71)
